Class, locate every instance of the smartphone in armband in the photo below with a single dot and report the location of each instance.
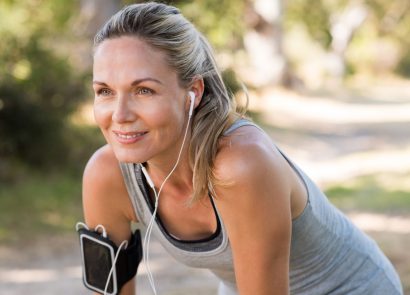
(98, 255)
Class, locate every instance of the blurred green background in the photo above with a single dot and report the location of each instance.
(328, 80)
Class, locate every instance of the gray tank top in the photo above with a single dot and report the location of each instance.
(329, 255)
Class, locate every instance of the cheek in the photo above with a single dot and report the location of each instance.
(166, 126)
(102, 114)
(163, 115)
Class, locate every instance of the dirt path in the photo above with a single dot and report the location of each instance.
(326, 138)
(53, 267)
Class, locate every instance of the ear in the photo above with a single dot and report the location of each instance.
(197, 87)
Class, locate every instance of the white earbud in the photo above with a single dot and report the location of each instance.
(191, 106)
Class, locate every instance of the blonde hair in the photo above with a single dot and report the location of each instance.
(189, 53)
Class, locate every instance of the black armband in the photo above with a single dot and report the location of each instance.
(98, 254)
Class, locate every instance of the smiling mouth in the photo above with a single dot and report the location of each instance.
(129, 137)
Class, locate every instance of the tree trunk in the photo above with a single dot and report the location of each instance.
(263, 43)
(92, 15)
(343, 27)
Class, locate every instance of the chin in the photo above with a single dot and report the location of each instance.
(125, 156)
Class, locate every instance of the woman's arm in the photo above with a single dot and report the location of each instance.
(256, 210)
(106, 201)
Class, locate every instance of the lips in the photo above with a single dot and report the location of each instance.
(129, 137)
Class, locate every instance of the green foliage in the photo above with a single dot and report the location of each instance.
(368, 193)
(82, 142)
(38, 91)
(387, 19)
(231, 81)
(22, 18)
(220, 20)
(314, 14)
(392, 19)
(38, 88)
(403, 68)
(52, 201)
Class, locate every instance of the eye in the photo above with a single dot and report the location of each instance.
(144, 91)
(104, 92)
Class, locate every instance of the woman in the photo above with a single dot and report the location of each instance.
(233, 202)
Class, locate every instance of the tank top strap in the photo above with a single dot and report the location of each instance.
(239, 123)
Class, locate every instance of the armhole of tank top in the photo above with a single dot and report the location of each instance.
(299, 175)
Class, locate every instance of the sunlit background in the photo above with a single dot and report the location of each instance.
(327, 79)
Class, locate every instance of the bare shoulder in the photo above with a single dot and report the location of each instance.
(105, 197)
(253, 177)
(102, 171)
(249, 155)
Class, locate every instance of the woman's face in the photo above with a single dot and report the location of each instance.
(139, 105)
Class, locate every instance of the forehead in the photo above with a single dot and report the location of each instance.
(129, 57)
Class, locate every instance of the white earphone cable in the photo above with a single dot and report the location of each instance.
(150, 226)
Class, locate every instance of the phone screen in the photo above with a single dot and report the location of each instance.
(97, 264)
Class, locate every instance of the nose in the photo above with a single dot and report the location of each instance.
(124, 110)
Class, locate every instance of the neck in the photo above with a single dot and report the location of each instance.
(181, 176)
(161, 166)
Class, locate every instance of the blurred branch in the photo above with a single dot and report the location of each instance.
(343, 27)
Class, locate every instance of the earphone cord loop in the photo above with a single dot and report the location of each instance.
(125, 244)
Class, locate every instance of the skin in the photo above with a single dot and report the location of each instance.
(142, 111)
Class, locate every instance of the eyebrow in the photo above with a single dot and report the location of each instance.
(135, 82)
